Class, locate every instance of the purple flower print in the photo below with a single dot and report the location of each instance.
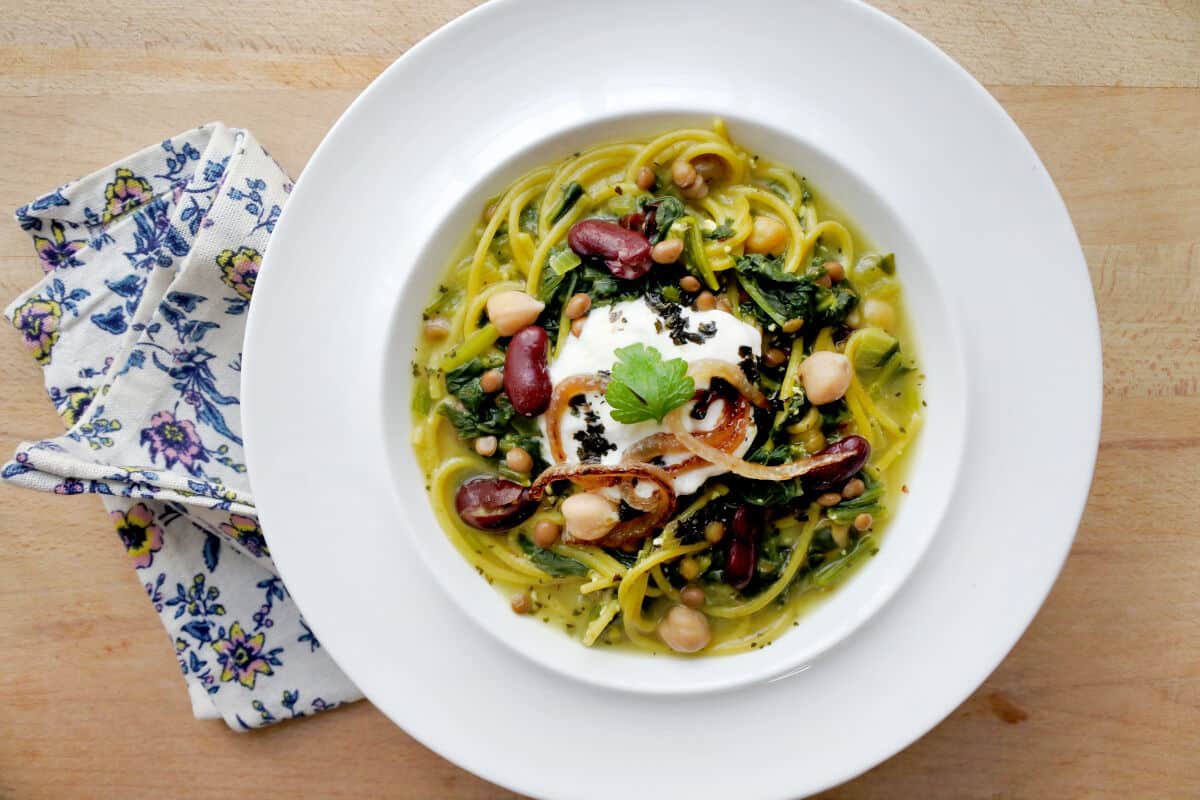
(126, 192)
(141, 537)
(176, 440)
(37, 319)
(57, 251)
(247, 532)
(239, 269)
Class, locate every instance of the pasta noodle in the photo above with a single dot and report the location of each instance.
(619, 592)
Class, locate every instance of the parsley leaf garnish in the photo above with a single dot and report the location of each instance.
(643, 386)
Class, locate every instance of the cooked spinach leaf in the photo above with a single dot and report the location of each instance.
(778, 296)
(550, 562)
(473, 412)
(570, 196)
(722, 231)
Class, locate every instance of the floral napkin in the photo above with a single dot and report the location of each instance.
(138, 324)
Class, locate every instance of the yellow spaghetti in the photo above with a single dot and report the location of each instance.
(755, 483)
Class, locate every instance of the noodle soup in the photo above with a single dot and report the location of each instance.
(663, 395)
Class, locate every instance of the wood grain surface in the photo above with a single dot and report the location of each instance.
(1101, 697)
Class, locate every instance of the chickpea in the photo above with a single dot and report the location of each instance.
(511, 311)
(714, 531)
(710, 167)
(696, 191)
(775, 357)
(692, 596)
(546, 533)
(437, 329)
(723, 304)
(486, 446)
(879, 313)
(689, 568)
(646, 179)
(685, 630)
(683, 173)
(589, 516)
(689, 283)
(519, 460)
(491, 381)
(667, 251)
(521, 603)
(579, 305)
(853, 488)
(768, 236)
(829, 499)
(793, 325)
(863, 521)
(826, 376)
(824, 281)
(813, 441)
(835, 271)
(706, 301)
(577, 326)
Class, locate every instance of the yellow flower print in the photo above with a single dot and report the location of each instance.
(37, 319)
(126, 192)
(239, 269)
(242, 656)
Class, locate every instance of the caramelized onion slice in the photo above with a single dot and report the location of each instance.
(657, 507)
(560, 399)
(704, 370)
(727, 436)
(831, 458)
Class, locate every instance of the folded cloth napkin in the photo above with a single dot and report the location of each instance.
(138, 324)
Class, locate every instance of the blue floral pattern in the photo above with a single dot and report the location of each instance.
(150, 266)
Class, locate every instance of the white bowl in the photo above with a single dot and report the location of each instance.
(885, 124)
(933, 466)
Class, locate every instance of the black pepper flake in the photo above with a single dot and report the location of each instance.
(672, 317)
(618, 189)
(593, 445)
(749, 367)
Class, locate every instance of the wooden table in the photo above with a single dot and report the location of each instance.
(1100, 698)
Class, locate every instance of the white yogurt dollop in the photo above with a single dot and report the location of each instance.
(610, 328)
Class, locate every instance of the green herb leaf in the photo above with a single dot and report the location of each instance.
(643, 386)
(831, 572)
(778, 296)
(550, 562)
(669, 210)
(722, 231)
(570, 196)
(529, 219)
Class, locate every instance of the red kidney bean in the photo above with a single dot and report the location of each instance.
(526, 375)
(633, 222)
(493, 504)
(626, 253)
(743, 546)
(855, 450)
